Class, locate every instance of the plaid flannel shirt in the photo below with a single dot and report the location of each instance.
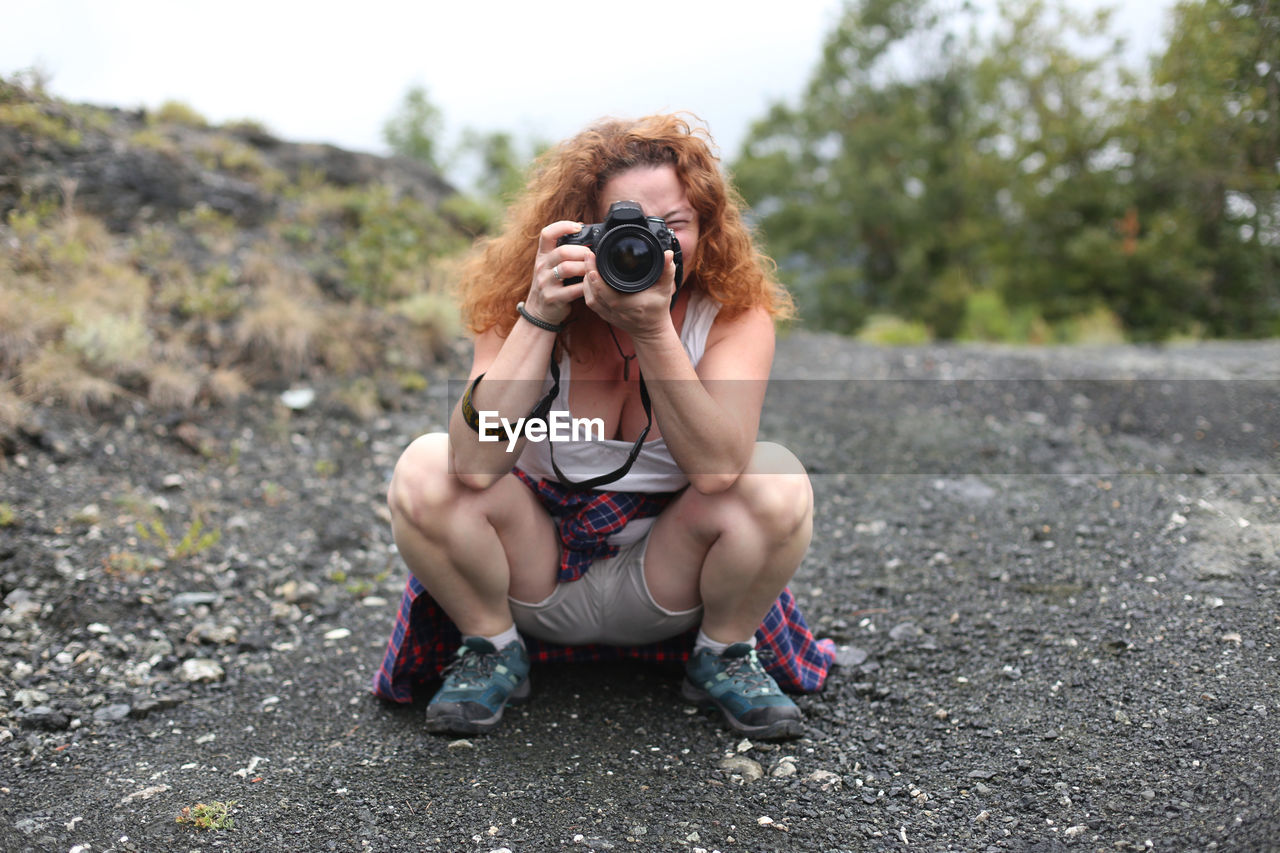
(423, 640)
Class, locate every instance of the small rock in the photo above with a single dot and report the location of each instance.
(43, 717)
(825, 779)
(904, 632)
(29, 697)
(298, 592)
(210, 633)
(1075, 831)
(850, 656)
(189, 600)
(200, 671)
(744, 745)
(337, 634)
(461, 743)
(298, 398)
(785, 767)
(112, 713)
(742, 766)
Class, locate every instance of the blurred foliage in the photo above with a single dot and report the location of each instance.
(492, 165)
(194, 307)
(1022, 182)
(414, 130)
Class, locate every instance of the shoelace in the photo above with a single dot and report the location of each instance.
(748, 672)
(471, 669)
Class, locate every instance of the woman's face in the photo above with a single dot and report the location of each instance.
(659, 192)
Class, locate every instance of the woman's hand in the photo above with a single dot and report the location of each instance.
(549, 297)
(643, 314)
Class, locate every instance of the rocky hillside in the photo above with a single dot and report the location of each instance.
(153, 259)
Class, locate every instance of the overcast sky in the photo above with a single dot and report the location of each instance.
(333, 72)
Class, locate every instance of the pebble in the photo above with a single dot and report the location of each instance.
(190, 600)
(298, 398)
(43, 717)
(826, 780)
(298, 592)
(211, 633)
(850, 656)
(112, 713)
(200, 671)
(742, 766)
(785, 767)
(904, 632)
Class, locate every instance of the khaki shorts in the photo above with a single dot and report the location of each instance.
(610, 604)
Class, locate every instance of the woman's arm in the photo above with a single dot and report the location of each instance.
(709, 416)
(515, 367)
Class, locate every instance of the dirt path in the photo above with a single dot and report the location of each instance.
(1053, 575)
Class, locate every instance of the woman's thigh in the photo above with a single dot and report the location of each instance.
(452, 514)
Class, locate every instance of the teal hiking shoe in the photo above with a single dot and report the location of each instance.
(747, 696)
(477, 686)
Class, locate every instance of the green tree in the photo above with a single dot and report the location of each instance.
(500, 166)
(1206, 170)
(414, 130)
(938, 171)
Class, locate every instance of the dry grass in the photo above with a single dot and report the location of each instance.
(57, 376)
(15, 412)
(195, 309)
(173, 386)
(277, 331)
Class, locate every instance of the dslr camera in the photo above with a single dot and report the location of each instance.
(629, 248)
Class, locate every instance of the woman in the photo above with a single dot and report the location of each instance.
(695, 542)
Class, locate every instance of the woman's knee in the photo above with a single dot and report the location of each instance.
(422, 484)
(775, 490)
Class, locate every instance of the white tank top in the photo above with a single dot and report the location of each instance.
(654, 469)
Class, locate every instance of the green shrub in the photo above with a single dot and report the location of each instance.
(176, 112)
(31, 119)
(887, 330)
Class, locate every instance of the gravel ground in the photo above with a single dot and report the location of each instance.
(1052, 574)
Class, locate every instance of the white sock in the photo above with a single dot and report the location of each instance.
(506, 638)
(705, 642)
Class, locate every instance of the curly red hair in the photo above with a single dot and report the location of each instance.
(566, 184)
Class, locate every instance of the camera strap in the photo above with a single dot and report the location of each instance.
(544, 407)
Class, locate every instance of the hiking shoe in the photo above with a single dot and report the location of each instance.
(477, 686)
(737, 684)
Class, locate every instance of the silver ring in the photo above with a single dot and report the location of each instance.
(555, 271)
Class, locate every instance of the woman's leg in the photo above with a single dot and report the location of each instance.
(470, 549)
(734, 551)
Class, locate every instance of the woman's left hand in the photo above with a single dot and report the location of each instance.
(641, 314)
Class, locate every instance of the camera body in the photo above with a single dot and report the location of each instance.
(629, 248)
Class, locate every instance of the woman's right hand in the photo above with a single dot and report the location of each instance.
(549, 297)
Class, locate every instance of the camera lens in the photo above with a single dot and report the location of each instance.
(630, 259)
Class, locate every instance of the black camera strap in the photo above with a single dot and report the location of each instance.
(544, 407)
(603, 479)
